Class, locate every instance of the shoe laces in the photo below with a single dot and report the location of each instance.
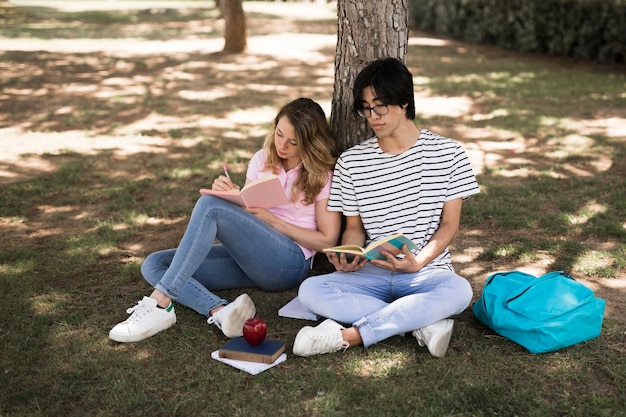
(214, 320)
(138, 310)
(321, 343)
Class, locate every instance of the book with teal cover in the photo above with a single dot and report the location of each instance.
(392, 244)
(267, 352)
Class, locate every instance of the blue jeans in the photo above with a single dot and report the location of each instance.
(381, 303)
(250, 254)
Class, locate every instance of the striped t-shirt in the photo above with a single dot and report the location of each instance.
(405, 192)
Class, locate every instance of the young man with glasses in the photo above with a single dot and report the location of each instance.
(404, 179)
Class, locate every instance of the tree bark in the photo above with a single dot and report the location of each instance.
(235, 32)
(366, 30)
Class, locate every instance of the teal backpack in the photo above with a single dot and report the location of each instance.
(542, 314)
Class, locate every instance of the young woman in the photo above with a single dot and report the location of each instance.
(271, 249)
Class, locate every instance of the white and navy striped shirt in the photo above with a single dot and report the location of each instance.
(405, 192)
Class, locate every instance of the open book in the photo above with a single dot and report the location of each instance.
(266, 192)
(392, 244)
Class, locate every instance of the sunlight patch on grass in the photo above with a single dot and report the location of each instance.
(506, 250)
(133, 217)
(323, 403)
(56, 211)
(15, 142)
(143, 354)
(498, 151)
(236, 121)
(522, 250)
(492, 115)
(420, 80)
(548, 121)
(428, 105)
(614, 127)
(235, 134)
(381, 366)
(258, 115)
(122, 48)
(122, 94)
(308, 48)
(92, 244)
(80, 88)
(619, 254)
(78, 6)
(423, 41)
(18, 268)
(498, 79)
(601, 263)
(296, 10)
(245, 63)
(182, 173)
(48, 304)
(210, 95)
(569, 145)
(13, 220)
(586, 212)
(157, 121)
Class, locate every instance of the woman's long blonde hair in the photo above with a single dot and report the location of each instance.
(316, 145)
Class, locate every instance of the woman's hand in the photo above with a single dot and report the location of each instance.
(265, 215)
(223, 183)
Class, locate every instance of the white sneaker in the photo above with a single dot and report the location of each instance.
(435, 336)
(324, 338)
(231, 318)
(146, 319)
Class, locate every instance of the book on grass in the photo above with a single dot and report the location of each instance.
(372, 251)
(252, 368)
(294, 309)
(237, 348)
(265, 192)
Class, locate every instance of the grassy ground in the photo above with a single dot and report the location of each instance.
(110, 121)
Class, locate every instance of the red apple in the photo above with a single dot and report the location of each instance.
(254, 331)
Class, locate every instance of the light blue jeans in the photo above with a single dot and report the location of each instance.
(250, 254)
(381, 303)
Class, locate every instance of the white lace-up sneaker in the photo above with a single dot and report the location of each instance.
(435, 336)
(231, 318)
(146, 319)
(324, 338)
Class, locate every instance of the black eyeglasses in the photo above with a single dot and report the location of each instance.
(380, 110)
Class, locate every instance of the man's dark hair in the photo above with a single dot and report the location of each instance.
(391, 82)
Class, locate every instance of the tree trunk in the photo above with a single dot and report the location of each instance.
(235, 36)
(366, 30)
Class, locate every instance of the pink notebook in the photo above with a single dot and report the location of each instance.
(266, 192)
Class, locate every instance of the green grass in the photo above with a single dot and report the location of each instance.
(74, 237)
(572, 210)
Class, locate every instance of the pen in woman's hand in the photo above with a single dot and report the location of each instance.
(226, 171)
(227, 183)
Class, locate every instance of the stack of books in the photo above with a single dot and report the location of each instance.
(252, 359)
